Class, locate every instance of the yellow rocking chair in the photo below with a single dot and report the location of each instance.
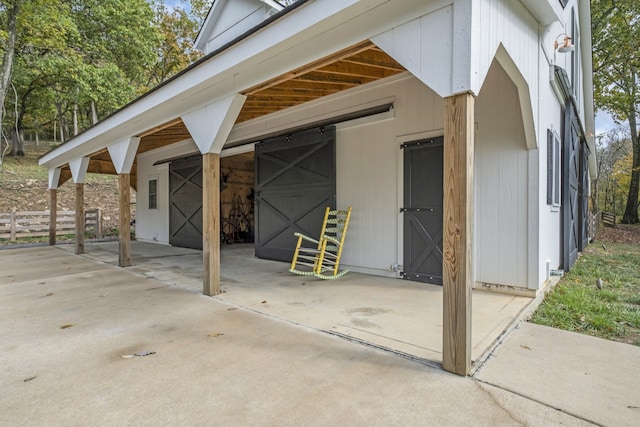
(323, 260)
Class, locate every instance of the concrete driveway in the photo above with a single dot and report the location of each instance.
(66, 321)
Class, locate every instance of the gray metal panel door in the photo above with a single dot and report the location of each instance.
(295, 181)
(570, 188)
(185, 202)
(584, 195)
(422, 211)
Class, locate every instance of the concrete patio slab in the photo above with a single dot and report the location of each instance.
(398, 315)
(595, 379)
(63, 338)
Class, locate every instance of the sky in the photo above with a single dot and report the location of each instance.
(604, 122)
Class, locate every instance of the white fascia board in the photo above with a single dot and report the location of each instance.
(545, 11)
(308, 33)
(273, 4)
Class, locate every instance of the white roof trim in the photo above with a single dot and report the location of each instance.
(545, 11)
(78, 168)
(273, 4)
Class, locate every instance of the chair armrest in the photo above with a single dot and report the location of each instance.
(306, 238)
(332, 239)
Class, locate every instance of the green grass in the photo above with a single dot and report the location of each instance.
(613, 312)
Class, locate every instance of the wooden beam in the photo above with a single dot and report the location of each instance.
(124, 233)
(375, 59)
(160, 127)
(257, 103)
(79, 218)
(211, 224)
(457, 264)
(307, 87)
(356, 70)
(53, 213)
(283, 97)
(334, 79)
(104, 167)
(65, 175)
(345, 53)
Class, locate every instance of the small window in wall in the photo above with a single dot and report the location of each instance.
(553, 169)
(153, 193)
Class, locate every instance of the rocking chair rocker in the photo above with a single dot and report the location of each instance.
(323, 260)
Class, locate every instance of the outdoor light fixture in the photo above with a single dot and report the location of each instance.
(566, 46)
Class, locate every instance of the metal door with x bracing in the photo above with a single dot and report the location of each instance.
(185, 202)
(295, 181)
(422, 210)
(570, 188)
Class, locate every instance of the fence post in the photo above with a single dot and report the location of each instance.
(98, 223)
(12, 226)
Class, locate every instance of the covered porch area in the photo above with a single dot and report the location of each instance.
(400, 316)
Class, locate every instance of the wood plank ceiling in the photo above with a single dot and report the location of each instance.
(357, 65)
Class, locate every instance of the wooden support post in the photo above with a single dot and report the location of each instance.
(53, 215)
(98, 223)
(457, 264)
(211, 224)
(124, 253)
(12, 226)
(79, 218)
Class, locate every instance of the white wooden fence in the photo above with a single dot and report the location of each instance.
(14, 225)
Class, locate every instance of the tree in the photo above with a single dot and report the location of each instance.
(10, 34)
(178, 29)
(610, 148)
(616, 66)
(613, 150)
(76, 61)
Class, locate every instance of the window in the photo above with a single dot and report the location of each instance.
(564, 3)
(153, 193)
(553, 169)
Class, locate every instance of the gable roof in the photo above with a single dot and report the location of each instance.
(228, 19)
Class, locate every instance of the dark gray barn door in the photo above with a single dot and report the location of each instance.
(422, 210)
(295, 181)
(584, 195)
(570, 188)
(185, 202)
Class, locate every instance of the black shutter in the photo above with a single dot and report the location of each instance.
(550, 165)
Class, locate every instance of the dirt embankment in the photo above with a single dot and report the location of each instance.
(24, 187)
(621, 233)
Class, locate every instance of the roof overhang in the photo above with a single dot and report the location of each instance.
(262, 64)
(545, 11)
(584, 9)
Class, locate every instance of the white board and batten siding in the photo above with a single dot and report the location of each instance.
(509, 23)
(152, 225)
(501, 185)
(369, 171)
(367, 176)
(368, 156)
(229, 20)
